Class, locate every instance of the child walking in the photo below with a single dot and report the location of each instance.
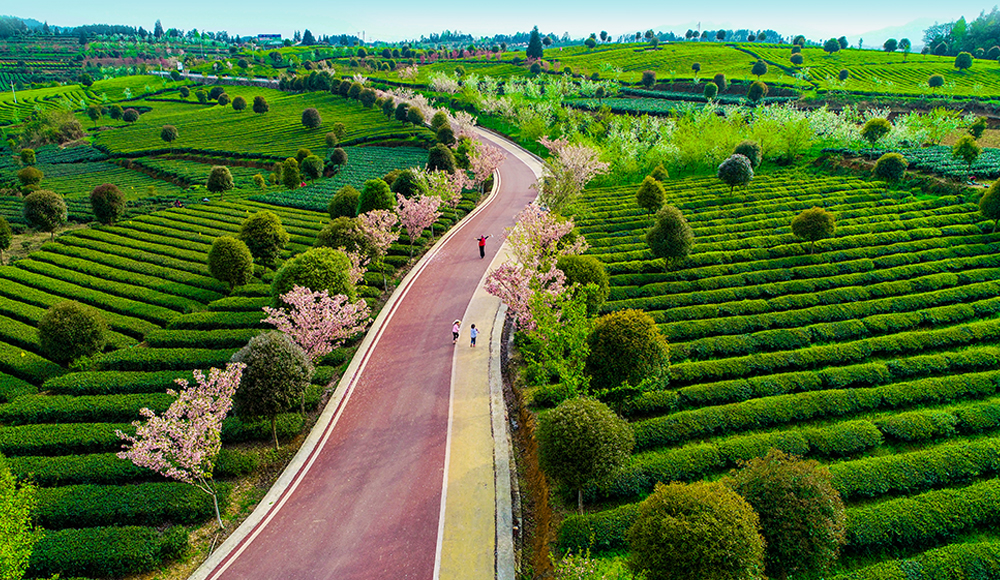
(473, 333)
(455, 328)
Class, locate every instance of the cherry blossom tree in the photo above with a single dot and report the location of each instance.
(317, 321)
(533, 281)
(377, 228)
(182, 443)
(417, 214)
(447, 186)
(359, 265)
(567, 171)
(485, 159)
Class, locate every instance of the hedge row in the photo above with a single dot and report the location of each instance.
(731, 324)
(906, 473)
(105, 552)
(214, 320)
(240, 304)
(109, 469)
(193, 277)
(195, 287)
(965, 561)
(125, 240)
(712, 277)
(699, 460)
(806, 292)
(136, 300)
(853, 376)
(114, 382)
(214, 339)
(804, 337)
(32, 409)
(100, 299)
(911, 522)
(27, 365)
(785, 409)
(142, 504)
(160, 359)
(892, 345)
(78, 438)
(128, 325)
(160, 236)
(13, 387)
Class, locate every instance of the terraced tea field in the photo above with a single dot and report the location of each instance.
(873, 71)
(277, 134)
(875, 355)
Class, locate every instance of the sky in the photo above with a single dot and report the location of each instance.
(394, 20)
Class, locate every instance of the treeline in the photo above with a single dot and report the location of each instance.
(951, 38)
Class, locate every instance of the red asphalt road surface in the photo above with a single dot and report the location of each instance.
(369, 505)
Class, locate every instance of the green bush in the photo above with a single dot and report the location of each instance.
(696, 531)
(585, 270)
(264, 236)
(107, 202)
(344, 203)
(104, 552)
(230, 261)
(142, 504)
(751, 150)
(875, 129)
(44, 210)
(162, 359)
(70, 330)
(375, 195)
(317, 269)
(626, 348)
(670, 238)
(61, 439)
(30, 409)
(964, 561)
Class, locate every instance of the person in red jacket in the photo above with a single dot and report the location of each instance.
(482, 246)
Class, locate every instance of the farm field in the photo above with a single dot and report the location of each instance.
(938, 159)
(74, 96)
(874, 355)
(873, 71)
(277, 134)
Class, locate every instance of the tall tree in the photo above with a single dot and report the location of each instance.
(377, 227)
(567, 171)
(158, 30)
(182, 443)
(417, 214)
(534, 44)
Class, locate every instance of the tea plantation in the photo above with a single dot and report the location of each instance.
(876, 355)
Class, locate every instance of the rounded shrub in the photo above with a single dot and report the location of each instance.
(239, 104)
(29, 176)
(797, 59)
(344, 203)
(375, 195)
(28, 156)
(260, 105)
(584, 270)
(736, 171)
(220, 180)
(215, 92)
(757, 91)
(317, 269)
(580, 441)
(660, 174)
(626, 347)
(844, 74)
(670, 237)
(409, 184)
(44, 210)
(130, 115)
(275, 378)
(989, 204)
(184, 92)
(107, 202)
(650, 194)
(759, 69)
(441, 158)
(339, 157)
(312, 167)
(311, 118)
(875, 129)
(224, 99)
(264, 236)
(963, 61)
(341, 232)
(169, 133)
(720, 81)
(935, 81)
(696, 531)
(812, 225)
(751, 150)
(69, 330)
(230, 261)
(440, 119)
(6, 237)
(711, 90)
(802, 516)
(890, 167)
(649, 78)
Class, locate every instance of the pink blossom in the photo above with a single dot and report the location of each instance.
(318, 322)
(377, 228)
(567, 171)
(485, 159)
(182, 443)
(447, 186)
(417, 214)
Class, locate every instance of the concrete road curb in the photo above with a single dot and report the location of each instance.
(501, 454)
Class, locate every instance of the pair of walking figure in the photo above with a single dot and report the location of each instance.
(456, 327)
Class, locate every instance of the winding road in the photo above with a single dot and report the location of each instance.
(365, 502)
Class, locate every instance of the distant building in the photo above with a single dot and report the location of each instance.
(269, 40)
